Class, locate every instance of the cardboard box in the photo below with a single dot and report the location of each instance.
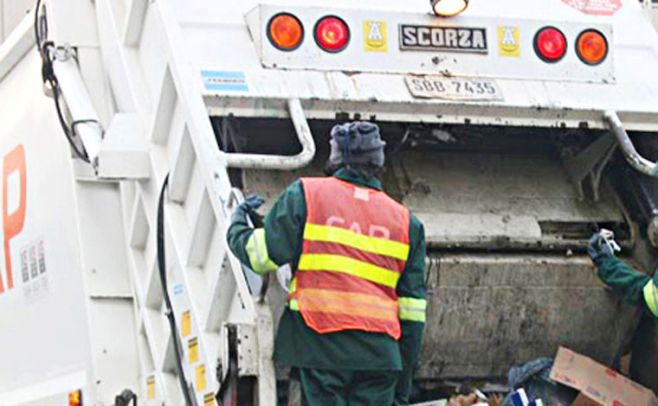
(598, 385)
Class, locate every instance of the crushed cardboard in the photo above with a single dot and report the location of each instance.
(598, 384)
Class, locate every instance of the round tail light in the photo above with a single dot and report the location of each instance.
(592, 47)
(285, 32)
(550, 44)
(332, 34)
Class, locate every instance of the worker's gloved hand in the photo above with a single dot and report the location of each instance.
(247, 208)
(598, 247)
(252, 203)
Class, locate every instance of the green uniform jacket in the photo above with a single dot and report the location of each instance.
(280, 242)
(632, 286)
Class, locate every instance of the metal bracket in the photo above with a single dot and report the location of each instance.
(587, 167)
(123, 154)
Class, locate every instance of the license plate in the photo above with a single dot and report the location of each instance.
(439, 87)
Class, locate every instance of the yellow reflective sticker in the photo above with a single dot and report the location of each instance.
(375, 38)
(150, 387)
(209, 399)
(509, 41)
(193, 350)
(200, 378)
(186, 324)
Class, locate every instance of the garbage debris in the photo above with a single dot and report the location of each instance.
(520, 398)
(477, 398)
(533, 378)
(474, 399)
(598, 384)
(462, 400)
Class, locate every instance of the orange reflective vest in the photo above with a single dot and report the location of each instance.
(356, 245)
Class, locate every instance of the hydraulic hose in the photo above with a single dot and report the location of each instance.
(162, 265)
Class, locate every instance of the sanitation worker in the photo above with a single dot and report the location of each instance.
(354, 319)
(632, 286)
(635, 288)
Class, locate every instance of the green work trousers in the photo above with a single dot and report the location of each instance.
(347, 388)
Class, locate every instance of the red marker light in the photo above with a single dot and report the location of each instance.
(550, 44)
(285, 32)
(592, 47)
(332, 34)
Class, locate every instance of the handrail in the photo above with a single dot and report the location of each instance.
(637, 161)
(281, 162)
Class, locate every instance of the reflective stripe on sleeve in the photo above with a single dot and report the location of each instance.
(351, 266)
(412, 309)
(257, 251)
(380, 246)
(651, 297)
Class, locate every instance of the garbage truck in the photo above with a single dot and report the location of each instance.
(132, 128)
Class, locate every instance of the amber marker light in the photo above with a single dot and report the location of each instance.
(449, 8)
(285, 32)
(75, 398)
(592, 47)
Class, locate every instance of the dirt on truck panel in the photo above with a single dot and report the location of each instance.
(492, 311)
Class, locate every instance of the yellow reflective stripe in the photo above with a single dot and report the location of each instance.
(412, 309)
(651, 297)
(257, 252)
(351, 266)
(381, 246)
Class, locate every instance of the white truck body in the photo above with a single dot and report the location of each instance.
(81, 303)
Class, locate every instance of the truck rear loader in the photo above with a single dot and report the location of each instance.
(514, 130)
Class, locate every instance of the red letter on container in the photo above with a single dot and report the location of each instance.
(13, 222)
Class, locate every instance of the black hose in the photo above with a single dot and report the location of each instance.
(48, 75)
(162, 265)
